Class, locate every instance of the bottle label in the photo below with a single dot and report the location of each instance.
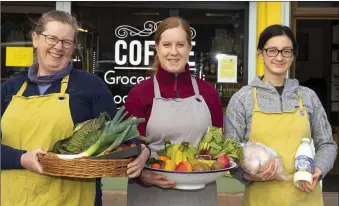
(304, 163)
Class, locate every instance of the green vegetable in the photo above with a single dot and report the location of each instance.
(231, 148)
(97, 140)
(152, 160)
(130, 132)
(213, 138)
(83, 136)
(215, 145)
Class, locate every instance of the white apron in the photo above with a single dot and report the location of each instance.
(178, 120)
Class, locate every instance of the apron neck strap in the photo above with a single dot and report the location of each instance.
(256, 106)
(22, 89)
(300, 101)
(195, 86)
(156, 88)
(64, 85)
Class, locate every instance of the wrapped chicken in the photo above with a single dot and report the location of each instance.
(257, 158)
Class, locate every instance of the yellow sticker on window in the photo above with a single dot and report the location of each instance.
(227, 68)
(19, 56)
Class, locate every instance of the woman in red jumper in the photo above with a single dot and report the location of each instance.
(176, 106)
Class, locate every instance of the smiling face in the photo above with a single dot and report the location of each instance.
(53, 58)
(173, 50)
(277, 64)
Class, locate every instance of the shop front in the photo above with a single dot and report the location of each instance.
(124, 47)
(116, 43)
(123, 40)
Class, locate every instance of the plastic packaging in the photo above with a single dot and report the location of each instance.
(257, 158)
(304, 162)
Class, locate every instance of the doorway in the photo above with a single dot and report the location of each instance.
(317, 67)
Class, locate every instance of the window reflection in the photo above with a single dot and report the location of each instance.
(15, 32)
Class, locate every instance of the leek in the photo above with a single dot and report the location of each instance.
(108, 137)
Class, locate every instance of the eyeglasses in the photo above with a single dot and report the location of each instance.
(52, 40)
(287, 53)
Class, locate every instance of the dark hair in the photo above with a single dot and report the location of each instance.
(169, 23)
(277, 30)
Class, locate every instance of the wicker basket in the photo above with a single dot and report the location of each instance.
(83, 168)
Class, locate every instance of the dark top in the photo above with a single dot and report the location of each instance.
(140, 99)
(280, 89)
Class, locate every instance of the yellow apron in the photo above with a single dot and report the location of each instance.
(40, 121)
(283, 133)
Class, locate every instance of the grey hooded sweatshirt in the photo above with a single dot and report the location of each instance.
(238, 118)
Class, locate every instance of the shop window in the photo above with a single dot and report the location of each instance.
(217, 32)
(17, 49)
(16, 44)
(124, 41)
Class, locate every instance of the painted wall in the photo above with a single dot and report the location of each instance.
(268, 13)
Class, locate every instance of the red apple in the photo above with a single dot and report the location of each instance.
(225, 160)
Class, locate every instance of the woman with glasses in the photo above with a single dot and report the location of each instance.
(41, 107)
(278, 112)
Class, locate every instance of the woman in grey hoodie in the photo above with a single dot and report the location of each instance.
(278, 112)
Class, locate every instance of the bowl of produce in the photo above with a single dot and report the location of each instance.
(192, 168)
(99, 147)
(193, 174)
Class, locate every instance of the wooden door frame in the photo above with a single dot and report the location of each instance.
(299, 13)
(309, 14)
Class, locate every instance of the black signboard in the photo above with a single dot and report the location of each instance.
(133, 58)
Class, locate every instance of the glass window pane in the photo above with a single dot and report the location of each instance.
(217, 32)
(15, 32)
(124, 35)
(125, 44)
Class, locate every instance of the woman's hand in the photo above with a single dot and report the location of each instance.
(151, 178)
(269, 173)
(134, 168)
(307, 187)
(29, 160)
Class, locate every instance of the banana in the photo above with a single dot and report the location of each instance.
(178, 157)
(169, 165)
(183, 152)
(192, 150)
(208, 162)
(198, 166)
(168, 150)
(174, 148)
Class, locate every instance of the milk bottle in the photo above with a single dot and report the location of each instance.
(304, 159)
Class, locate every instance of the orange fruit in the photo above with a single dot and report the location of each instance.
(163, 158)
(156, 166)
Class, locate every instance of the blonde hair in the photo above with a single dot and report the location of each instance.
(169, 23)
(59, 16)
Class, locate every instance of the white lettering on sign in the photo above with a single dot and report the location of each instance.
(119, 100)
(135, 55)
(118, 45)
(148, 52)
(135, 47)
(110, 78)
